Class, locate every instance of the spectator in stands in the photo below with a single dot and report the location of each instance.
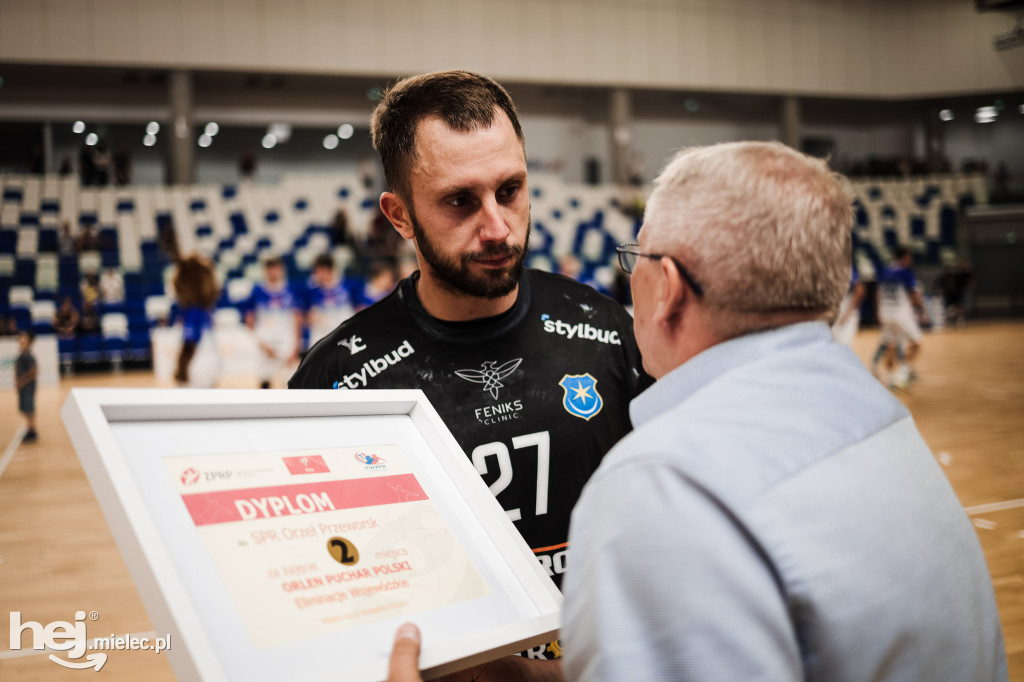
(341, 235)
(168, 238)
(25, 372)
(68, 244)
(86, 166)
(87, 239)
(9, 326)
(66, 167)
(196, 291)
(953, 284)
(122, 166)
(275, 315)
(65, 320)
(101, 159)
(383, 242)
(90, 288)
(89, 321)
(111, 287)
(247, 168)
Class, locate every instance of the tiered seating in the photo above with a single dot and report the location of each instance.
(237, 225)
(919, 213)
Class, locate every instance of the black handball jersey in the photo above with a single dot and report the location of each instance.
(535, 396)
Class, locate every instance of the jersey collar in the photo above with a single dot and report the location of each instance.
(474, 331)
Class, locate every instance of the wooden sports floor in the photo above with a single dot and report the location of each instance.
(57, 555)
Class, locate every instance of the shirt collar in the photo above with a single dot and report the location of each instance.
(702, 369)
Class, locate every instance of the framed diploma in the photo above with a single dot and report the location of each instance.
(284, 535)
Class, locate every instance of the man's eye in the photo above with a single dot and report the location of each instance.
(459, 201)
(508, 192)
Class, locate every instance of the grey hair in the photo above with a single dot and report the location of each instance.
(764, 228)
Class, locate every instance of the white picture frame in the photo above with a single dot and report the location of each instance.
(124, 436)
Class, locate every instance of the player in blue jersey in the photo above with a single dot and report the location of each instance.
(328, 301)
(274, 313)
(898, 301)
(848, 321)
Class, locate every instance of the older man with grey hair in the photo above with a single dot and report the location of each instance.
(775, 514)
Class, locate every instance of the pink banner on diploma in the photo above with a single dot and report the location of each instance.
(249, 504)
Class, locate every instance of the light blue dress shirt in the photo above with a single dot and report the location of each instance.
(775, 516)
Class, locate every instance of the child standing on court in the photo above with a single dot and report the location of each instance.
(25, 380)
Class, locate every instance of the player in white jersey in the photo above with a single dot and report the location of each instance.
(848, 321)
(898, 297)
(274, 314)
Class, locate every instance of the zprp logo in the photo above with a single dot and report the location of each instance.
(190, 476)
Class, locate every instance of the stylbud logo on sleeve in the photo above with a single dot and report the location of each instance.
(72, 637)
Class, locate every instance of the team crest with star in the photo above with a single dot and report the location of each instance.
(581, 397)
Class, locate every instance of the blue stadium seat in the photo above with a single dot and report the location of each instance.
(238, 224)
(917, 226)
(343, 192)
(49, 240)
(138, 344)
(125, 206)
(197, 205)
(228, 192)
(49, 206)
(25, 272)
(204, 231)
(89, 348)
(8, 241)
(13, 194)
(29, 220)
(947, 226)
(301, 204)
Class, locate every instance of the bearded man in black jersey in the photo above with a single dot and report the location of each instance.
(532, 372)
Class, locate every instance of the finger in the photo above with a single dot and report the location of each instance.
(405, 656)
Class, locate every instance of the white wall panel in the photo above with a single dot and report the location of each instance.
(67, 33)
(822, 47)
(23, 29)
(160, 31)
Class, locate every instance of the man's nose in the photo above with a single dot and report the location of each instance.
(493, 227)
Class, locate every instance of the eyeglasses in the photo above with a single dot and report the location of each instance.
(629, 253)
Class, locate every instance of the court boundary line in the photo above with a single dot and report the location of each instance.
(12, 448)
(22, 653)
(994, 507)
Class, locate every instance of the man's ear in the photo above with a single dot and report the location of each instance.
(672, 293)
(397, 213)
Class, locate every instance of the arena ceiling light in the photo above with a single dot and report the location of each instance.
(946, 115)
(985, 115)
(149, 140)
(152, 128)
(282, 132)
(91, 139)
(78, 127)
(269, 141)
(345, 131)
(211, 129)
(331, 141)
(205, 140)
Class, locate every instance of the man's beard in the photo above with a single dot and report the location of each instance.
(454, 272)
